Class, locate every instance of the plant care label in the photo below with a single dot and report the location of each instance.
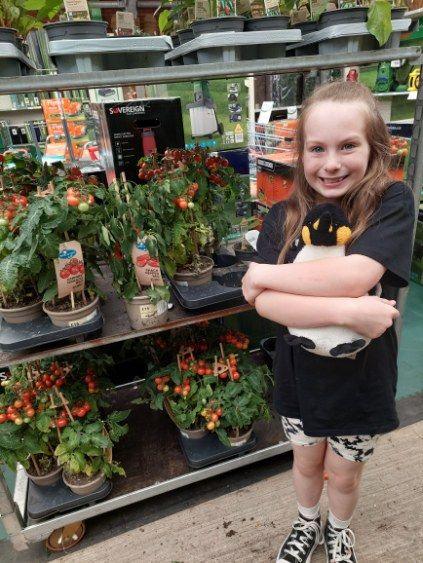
(202, 9)
(149, 310)
(272, 7)
(83, 320)
(77, 9)
(147, 268)
(125, 23)
(243, 8)
(351, 73)
(226, 8)
(70, 270)
(257, 8)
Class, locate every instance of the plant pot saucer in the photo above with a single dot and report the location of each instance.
(65, 538)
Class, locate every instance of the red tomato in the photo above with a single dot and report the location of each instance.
(10, 409)
(235, 376)
(26, 395)
(60, 382)
(219, 411)
(73, 201)
(30, 412)
(223, 375)
(201, 371)
(209, 371)
(61, 422)
(18, 404)
(158, 380)
(3, 418)
(178, 390)
(92, 385)
(64, 274)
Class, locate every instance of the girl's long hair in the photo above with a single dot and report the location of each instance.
(362, 200)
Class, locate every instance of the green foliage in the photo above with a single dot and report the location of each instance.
(25, 15)
(379, 20)
(85, 446)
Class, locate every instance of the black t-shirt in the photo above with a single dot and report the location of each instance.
(341, 396)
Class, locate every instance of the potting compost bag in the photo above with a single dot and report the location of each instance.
(147, 268)
(69, 267)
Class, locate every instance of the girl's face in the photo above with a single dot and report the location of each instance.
(336, 151)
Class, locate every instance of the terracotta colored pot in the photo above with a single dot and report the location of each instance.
(241, 439)
(192, 279)
(74, 318)
(143, 314)
(88, 488)
(46, 480)
(25, 314)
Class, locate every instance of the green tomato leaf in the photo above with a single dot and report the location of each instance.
(379, 20)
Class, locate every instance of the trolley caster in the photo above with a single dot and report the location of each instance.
(64, 539)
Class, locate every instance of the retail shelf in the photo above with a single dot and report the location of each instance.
(28, 108)
(187, 73)
(116, 327)
(150, 474)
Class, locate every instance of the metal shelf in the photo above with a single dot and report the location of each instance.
(149, 475)
(116, 327)
(187, 73)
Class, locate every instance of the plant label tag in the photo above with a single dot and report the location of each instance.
(77, 9)
(272, 7)
(265, 112)
(226, 8)
(202, 9)
(147, 268)
(70, 269)
(84, 320)
(125, 23)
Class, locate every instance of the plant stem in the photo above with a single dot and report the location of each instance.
(34, 461)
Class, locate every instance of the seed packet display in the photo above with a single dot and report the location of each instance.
(226, 8)
(69, 267)
(202, 9)
(147, 268)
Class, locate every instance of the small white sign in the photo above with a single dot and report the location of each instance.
(292, 112)
(265, 113)
(412, 95)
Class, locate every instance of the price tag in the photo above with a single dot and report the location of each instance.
(292, 112)
(265, 112)
(397, 63)
(412, 95)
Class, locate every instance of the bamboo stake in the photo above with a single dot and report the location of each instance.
(34, 461)
(72, 300)
(64, 403)
(230, 370)
(84, 297)
(179, 362)
(215, 366)
(222, 350)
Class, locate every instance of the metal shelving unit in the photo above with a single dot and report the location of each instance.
(174, 472)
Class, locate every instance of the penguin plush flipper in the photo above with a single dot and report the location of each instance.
(293, 340)
(348, 348)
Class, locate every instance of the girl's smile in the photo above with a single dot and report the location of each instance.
(336, 152)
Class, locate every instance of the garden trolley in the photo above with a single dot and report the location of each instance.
(141, 482)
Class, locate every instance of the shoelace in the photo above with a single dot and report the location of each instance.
(342, 542)
(297, 546)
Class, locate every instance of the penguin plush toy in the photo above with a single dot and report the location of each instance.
(324, 235)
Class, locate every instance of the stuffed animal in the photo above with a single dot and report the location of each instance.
(324, 235)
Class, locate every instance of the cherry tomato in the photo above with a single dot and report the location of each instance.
(30, 412)
(61, 422)
(26, 396)
(18, 404)
(214, 417)
(60, 382)
(211, 425)
(178, 390)
(86, 406)
(72, 200)
(160, 387)
(209, 371)
(223, 375)
(201, 371)
(219, 411)
(83, 207)
(49, 384)
(88, 378)
(18, 421)
(158, 380)
(90, 199)
(235, 376)
(185, 392)
(81, 412)
(3, 418)
(165, 388)
(92, 385)
(10, 409)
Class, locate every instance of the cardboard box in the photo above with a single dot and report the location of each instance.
(127, 131)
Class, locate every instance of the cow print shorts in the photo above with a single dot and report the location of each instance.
(353, 448)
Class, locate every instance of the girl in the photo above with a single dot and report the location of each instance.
(334, 409)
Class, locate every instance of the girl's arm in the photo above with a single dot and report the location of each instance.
(369, 316)
(344, 276)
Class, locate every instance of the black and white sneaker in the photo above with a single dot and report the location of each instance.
(339, 545)
(298, 547)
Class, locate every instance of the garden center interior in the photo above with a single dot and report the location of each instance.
(142, 144)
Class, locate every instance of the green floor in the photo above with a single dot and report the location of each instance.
(410, 361)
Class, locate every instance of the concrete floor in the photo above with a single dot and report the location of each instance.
(243, 516)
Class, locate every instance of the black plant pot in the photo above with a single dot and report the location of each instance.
(185, 35)
(397, 13)
(175, 40)
(8, 35)
(223, 259)
(76, 30)
(338, 17)
(247, 255)
(306, 27)
(267, 23)
(215, 25)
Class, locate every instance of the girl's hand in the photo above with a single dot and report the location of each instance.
(250, 283)
(369, 315)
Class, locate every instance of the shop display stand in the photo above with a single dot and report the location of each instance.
(154, 461)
